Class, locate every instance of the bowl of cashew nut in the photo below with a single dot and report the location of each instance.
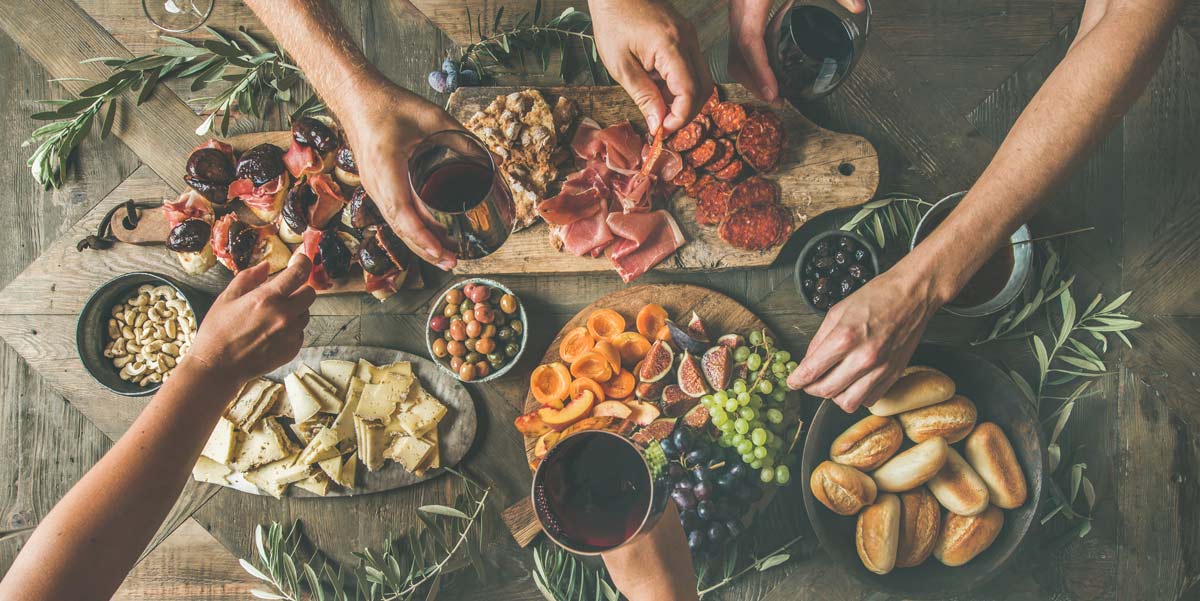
(135, 329)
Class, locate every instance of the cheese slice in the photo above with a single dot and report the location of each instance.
(409, 452)
(274, 477)
(375, 375)
(318, 381)
(207, 470)
(435, 458)
(371, 443)
(250, 404)
(338, 373)
(317, 484)
(325, 393)
(423, 416)
(304, 404)
(264, 444)
(221, 442)
(332, 466)
(344, 424)
(349, 470)
(379, 400)
(322, 446)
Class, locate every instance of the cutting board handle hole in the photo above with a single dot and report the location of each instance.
(846, 169)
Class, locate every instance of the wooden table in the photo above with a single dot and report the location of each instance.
(939, 87)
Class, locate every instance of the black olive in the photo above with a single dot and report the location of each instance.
(822, 248)
(855, 270)
(822, 285)
(333, 254)
(840, 257)
(295, 207)
(846, 244)
(808, 284)
(344, 159)
(189, 236)
(315, 134)
(261, 164)
(217, 194)
(819, 301)
(860, 255)
(847, 286)
(394, 246)
(211, 166)
(373, 258)
(823, 263)
(363, 211)
(242, 240)
(809, 269)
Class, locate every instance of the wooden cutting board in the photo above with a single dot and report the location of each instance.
(721, 315)
(820, 171)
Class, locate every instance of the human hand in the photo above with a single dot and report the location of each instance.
(657, 565)
(652, 51)
(255, 326)
(384, 123)
(866, 340)
(748, 63)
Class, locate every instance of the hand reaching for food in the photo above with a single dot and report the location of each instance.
(256, 325)
(652, 51)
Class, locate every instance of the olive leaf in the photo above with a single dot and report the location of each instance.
(496, 49)
(892, 218)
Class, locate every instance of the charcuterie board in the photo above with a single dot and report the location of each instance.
(819, 171)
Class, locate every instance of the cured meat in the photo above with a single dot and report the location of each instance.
(698, 186)
(752, 192)
(571, 205)
(760, 141)
(689, 136)
(190, 205)
(685, 178)
(702, 154)
(731, 171)
(329, 200)
(729, 117)
(722, 158)
(711, 103)
(635, 193)
(264, 198)
(713, 203)
(645, 240)
(670, 164)
(757, 227)
(301, 160)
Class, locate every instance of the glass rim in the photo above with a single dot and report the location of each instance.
(202, 21)
(427, 144)
(645, 517)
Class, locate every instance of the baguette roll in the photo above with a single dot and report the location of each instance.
(913, 467)
(958, 488)
(952, 420)
(991, 455)
(877, 534)
(841, 488)
(964, 537)
(868, 443)
(920, 524)
(917, 387)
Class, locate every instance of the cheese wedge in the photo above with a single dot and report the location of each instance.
(274, 477)
(422, 416)
(435, 458)
(321, 447)
(325, 393)
(349, 470)
(317, 484)
(371, 443)
(318, 381)
(207, 470)
(409, 452)
(250, 404)
(220, 445)
(375, 375)
(344, 424)
(265, 444)
(379, 400)
(304, 404)
(338, 373)
(332, 466)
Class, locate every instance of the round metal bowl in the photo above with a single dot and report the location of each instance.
(1022, 262)
(798, 276)
(997, 399)
(91, 328)
(435, 310)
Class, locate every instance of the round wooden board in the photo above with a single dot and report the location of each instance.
(720, 313)
(456, 431)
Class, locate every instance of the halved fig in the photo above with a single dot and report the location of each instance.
(296, 206)
(261, 164)
(315, 133)
(696, 417)
(242, 240)
(373, 258)
(691, 380)
(334, 254)
(654, 431)
(716, 364)
(189, 236)
(657, 363)
(675, 402)
(696, 327)
(741, 372)
(649, 391)
(211, 166)
(362, 211)
(687, 341)
(732, 341)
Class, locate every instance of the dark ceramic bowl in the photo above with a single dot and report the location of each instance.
(997, 400)
(91, 329)
(436, 309)
(808, 250)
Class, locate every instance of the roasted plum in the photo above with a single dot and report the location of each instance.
(362, 210)
(189, 236)
(296, 206)
(242, 240)
(315, 134)
(261, 164)
(344, 159)
(334, 255)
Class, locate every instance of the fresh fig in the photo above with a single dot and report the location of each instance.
(696, 417)
(657, 430)
(690, 378)
(696, 327)
(676, 402)
(686, 341)
(649, 391)
(657, 363)
(731, 340)
(741, 372)
(716, 364)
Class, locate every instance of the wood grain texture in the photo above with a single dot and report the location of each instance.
(188, 565)
(819, 171)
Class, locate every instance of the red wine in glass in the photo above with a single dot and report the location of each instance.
(454, 176)
(814, 46)
(595, 491)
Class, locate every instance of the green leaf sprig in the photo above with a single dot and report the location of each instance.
(258, 78)
(893, 217)
(498, 48)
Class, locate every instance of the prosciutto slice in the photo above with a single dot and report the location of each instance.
(329, 200)
(261, 197)
(301, 159)
(190, 205)
(645, 239)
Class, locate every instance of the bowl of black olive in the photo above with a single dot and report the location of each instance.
(832, 266)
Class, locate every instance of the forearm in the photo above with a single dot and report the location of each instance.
(1101, 76)
(92, 537)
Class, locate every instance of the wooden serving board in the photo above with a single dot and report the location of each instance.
(820, 171)
(152, 227)
(721, 315)
(456, 432)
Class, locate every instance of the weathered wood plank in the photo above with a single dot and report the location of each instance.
(190, 565)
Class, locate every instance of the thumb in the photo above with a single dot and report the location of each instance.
(645, 93)
(748, 65)
(247, 280)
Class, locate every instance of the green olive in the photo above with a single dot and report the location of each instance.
(512, 349)
(450, 310)
(473, 357)
(470, 342)
(505, 334)
(508, 304)
(516, 326)
(495, 358)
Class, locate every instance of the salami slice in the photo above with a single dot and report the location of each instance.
(711, 103)
(729, 117)
(760, 141)
(756, 227)
(724, 155)
(753, 192)
(732, 171)
(686, 177)
(713, 203)
(698, 186)
(702, 153)
(688, 136)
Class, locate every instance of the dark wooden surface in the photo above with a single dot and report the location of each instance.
(940, 86)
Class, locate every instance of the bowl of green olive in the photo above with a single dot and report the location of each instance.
(476, 330)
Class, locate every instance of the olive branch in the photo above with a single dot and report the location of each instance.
(498, 47)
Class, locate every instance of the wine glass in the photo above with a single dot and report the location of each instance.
(813, 46)
(177, 16)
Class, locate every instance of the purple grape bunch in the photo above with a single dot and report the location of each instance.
(450, 77)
